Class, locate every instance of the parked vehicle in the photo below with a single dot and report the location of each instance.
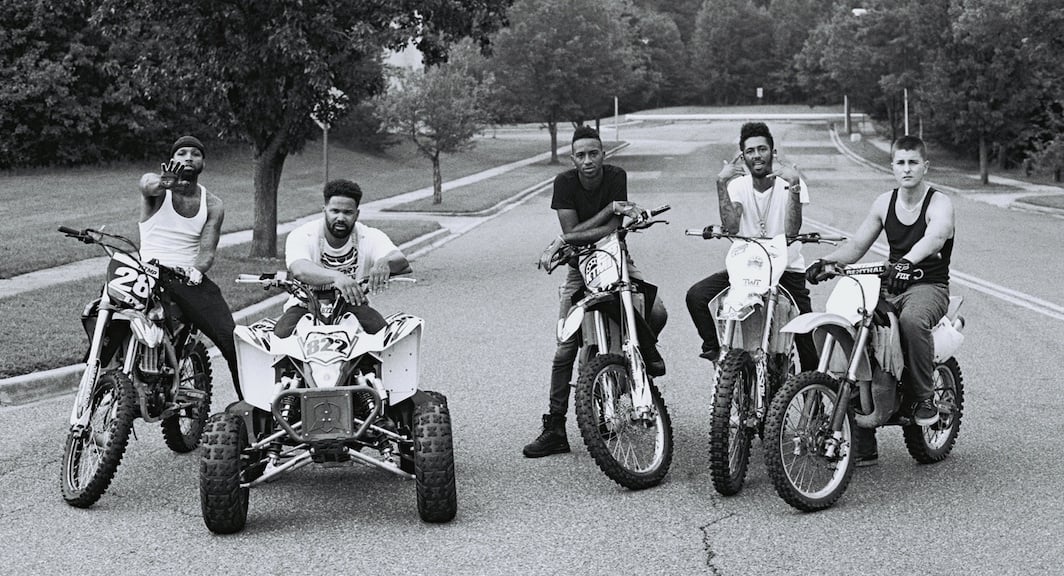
(322, 395)
(621, 414)
(143, 361)
(810, 424)
(755, 357)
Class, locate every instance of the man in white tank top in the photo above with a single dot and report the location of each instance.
(180, 224)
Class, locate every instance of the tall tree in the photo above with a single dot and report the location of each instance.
(564, 60)
(985, 89)
(440, 108)
(257, 68)
(732, 51)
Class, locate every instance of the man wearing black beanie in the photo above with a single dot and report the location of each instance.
(180, 225)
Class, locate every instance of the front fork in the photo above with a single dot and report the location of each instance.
(642, 401)
(842, 401)
(79, 415)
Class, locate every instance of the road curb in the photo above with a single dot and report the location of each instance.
(45, 384)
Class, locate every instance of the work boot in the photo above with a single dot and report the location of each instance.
(551, 441)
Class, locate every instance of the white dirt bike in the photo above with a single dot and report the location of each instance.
(322, 395)
(810, 423)
(621, 414)
(143, 362)
(755, 357)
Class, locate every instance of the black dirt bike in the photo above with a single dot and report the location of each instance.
(143, 362)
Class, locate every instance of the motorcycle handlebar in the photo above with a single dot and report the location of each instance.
(713, 231)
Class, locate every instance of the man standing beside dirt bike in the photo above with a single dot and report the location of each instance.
(919, 223)
(591, 200)
(758, 201)
(339, 252)
(180, 225)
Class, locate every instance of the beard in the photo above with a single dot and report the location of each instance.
(340, 229)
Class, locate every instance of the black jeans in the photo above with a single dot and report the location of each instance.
(204, 307)
(371, 320)
(699, 295)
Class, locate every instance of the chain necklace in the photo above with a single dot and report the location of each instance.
(762, 213)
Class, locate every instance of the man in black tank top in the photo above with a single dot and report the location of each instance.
(919, 224)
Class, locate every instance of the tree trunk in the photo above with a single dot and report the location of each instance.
(552, 127)
(268, 167)
(984, 163)
(437, 180)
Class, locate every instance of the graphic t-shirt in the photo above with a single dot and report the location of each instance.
(771, 207)
(364, 247)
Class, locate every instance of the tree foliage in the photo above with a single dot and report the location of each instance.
(64, 95)
(255, 69)
(440, 109)
(732, 51)
(565, 60)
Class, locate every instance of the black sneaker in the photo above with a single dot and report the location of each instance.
(925, 412)
(866, 460)
(712, 355)
(551, 441)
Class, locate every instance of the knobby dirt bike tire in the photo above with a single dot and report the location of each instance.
(116, 429)
(775, 445)
(437, 494)
(735, 387)
(916, 440)
(223, 502)
(179, 440)
(588, 421)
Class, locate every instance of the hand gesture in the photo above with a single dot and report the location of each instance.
(378, 276)
(898, 276)
(170, 174)
(788, 172)
(732, 169)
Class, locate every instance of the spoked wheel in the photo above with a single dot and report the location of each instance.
(929, 444)
(633, 452)
(92, 455)
(798, 437)
(437, 495)
(182, 430)
(730, 432)
(223, 502)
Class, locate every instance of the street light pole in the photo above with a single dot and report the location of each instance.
(906, 111)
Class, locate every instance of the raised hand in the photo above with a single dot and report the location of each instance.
(732, 169)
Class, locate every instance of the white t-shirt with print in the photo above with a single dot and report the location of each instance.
(772, 206)
(364, 247)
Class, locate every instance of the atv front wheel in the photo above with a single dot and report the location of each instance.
(223, 502)
(437, 495)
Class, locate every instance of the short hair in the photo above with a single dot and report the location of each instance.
(344, 188)
(909, 142)
(753, 130)
(583, 132)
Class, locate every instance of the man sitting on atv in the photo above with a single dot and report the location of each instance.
(339, 252)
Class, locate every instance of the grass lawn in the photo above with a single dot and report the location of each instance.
(33, 203)
(43, 327)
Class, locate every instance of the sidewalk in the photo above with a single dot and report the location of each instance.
(1026, 196)
(35, 386)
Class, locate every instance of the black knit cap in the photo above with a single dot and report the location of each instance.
(187, 142)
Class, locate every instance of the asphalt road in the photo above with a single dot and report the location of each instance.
(996, 506)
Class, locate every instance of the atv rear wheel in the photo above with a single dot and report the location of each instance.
(182, 430)
(223, 502)
(437, 495)
(92, 455)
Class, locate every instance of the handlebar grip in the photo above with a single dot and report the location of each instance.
(69, 231)
(660, 209)
(693, 232)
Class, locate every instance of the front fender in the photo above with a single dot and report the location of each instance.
(569, 326)
(823, 323)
